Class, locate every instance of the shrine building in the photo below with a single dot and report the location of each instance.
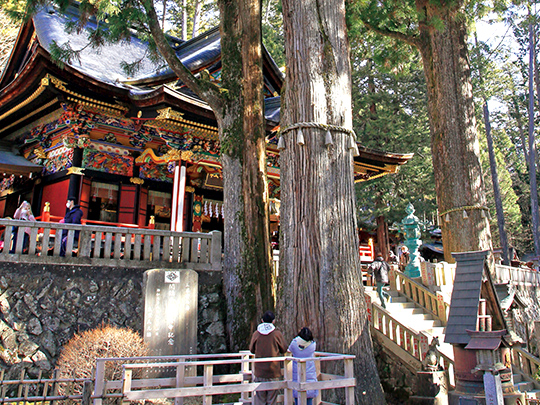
(128, 147)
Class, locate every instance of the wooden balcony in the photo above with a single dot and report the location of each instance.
(110, 246)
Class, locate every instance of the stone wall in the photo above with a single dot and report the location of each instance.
(398, 380)
(42, 307)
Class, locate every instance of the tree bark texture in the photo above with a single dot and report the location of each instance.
(532, 148)
(247, 270)
(454, 141)
(319, 282)
(238, 107)
(382, 237)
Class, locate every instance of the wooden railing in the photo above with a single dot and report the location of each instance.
(440, 275)
(54, 390)
(525, 362)
(432, 302)
(194, 376)
(415, 343)
(516, 276)
(111, 246)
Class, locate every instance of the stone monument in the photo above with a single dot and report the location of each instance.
(170, 311)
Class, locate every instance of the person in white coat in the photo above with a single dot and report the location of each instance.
(303, 346)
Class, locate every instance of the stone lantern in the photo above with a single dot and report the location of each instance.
(493, 359)
(410, 227)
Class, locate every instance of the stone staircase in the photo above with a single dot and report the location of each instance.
(524, 384)
(416, 318)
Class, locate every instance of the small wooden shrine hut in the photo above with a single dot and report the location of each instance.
(129, 147)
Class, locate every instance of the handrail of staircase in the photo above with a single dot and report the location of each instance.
(416, 343)
(434, 303)
(516, 275)
(525, 362)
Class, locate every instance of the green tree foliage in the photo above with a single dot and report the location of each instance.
(497, 87)
(8, 34)
(272, 26)
(390, 114)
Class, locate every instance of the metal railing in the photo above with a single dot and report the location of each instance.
(109, 246)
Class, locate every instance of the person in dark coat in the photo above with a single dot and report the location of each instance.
(73, 216)
(267, 341)
(380, 269)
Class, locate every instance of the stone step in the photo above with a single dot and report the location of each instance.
(533, 394)
(524, 386)
(517, 378)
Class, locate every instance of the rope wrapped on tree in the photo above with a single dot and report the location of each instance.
(483, 208)
(325, 127)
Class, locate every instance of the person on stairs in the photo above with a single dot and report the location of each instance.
(380, 269)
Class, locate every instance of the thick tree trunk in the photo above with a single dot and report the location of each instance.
(454, 141)
(319, 284)
(247, 274)
(238, 107)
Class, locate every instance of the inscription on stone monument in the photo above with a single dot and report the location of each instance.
(170, 311)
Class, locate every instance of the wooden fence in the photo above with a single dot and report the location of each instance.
(110, 246)
(180, 377)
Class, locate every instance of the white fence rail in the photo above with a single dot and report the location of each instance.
(109, 246)
(196, 376)
(517, 276)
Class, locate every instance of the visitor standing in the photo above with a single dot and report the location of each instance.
(380, 269)
(23, 213)
(267, 341)
(403, 257)
(73, 216)
(303, 346)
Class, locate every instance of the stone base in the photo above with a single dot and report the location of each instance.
(431, 388)
(416, 400)
(454, 398)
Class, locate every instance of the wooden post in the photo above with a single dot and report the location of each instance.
(207, 382)
(126, 383)
(318, 399)
(86, 393)
(99, 387)
(54, 393)
(215, 251)
(245, 371)
(349, 373)
(301, 369)
(287, 375)
(180, 379)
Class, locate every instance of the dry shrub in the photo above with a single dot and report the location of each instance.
(78, 356)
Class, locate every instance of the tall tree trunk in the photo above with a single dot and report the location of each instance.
(454, 141)
(196, 18)
(382, 236)
(247, 274)
(493, 166)
(184, 20)
(319, 283)
(532, 147)
(520, 125)
(238, 107)
(496, 188)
